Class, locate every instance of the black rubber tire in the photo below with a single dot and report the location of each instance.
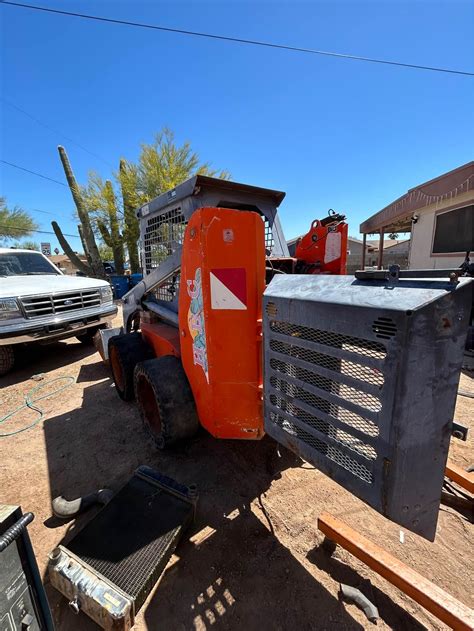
(7, 359)
(87, 338)
(165, 400)
(125, 351)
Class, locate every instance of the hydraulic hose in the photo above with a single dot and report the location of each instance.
(356, 596)
(65, 509)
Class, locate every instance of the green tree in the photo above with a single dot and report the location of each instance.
(162, 165)
(102, 205)
(105, 252)
(15, 222)
(27, 245)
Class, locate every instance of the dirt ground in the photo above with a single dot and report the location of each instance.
(253, 560)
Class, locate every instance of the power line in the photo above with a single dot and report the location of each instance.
(45, 177)
(38, 210)
(236, 40)
(54, 131)
(27, 232)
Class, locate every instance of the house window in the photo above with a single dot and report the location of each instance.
(454, 231)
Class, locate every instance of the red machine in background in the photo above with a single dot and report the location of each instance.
(323, 250)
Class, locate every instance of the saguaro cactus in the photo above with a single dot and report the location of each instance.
(131, 230)
(69, 252)
(112, 236)
(90, 246)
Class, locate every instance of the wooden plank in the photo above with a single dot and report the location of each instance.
(461, 477)
(438, 602)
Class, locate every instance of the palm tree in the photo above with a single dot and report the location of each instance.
(15, 222)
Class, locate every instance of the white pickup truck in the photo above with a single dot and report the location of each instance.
(38, 303)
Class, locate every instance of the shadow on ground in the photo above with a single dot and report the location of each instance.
(231, 572)
(241, 574)
(393, 615)
(36, 358)
(242, 577)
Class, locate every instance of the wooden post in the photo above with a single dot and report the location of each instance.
(438, 602)
(380, 261)
(461, 477)
(364, 241)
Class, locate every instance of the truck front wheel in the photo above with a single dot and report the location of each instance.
(87, 337)
(7, 359)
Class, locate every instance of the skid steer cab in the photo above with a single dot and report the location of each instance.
(228, 332)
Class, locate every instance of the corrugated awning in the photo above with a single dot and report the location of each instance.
(397, 216)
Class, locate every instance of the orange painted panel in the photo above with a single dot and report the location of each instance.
(220, 302)
(163, 338)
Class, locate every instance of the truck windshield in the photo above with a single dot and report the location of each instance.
(24, 264)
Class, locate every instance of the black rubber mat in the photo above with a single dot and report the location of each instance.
(131, 540)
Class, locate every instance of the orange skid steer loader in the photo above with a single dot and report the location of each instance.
(228, 331)
(203, 322)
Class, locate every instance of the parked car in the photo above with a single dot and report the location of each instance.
(38, 303)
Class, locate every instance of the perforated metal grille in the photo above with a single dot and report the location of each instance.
(322, 405)
(330, 452)
(163, 233)
(269, 240)
(364, 399)
(168, 290)
(329, 383)
(348, 343)
(324, 427)
(346, 367)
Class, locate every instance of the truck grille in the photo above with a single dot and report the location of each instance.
(55, 304)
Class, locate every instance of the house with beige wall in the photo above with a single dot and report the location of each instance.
(65, 265)
(438, 214)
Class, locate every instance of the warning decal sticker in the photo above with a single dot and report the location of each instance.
(196, 322)
(333, 247)
(229, 288)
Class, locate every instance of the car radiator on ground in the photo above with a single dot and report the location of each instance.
(108, 569)
(360, 379)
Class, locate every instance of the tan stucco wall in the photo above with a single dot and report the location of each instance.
(423, 232)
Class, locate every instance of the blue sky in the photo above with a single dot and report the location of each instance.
(332, 133)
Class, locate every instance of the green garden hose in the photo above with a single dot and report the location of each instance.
(30, 401)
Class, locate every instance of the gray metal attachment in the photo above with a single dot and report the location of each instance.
(361, 379)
